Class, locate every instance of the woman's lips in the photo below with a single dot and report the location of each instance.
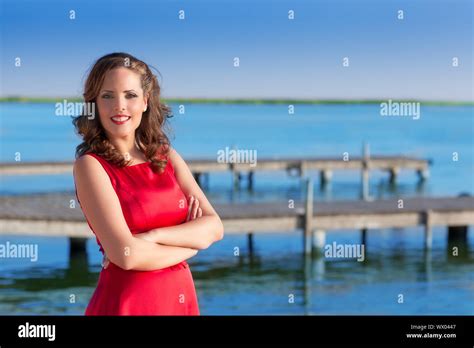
(120, 119)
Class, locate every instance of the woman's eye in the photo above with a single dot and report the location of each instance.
(128, 96)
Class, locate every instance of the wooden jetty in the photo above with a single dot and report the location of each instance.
(202, 167)
(59, 215)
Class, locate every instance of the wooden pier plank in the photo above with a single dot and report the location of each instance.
(265, 164)
(42, 211)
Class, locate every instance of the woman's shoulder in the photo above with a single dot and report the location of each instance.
(88, 162)
(177, 161)
(86, 158)
(173, 156)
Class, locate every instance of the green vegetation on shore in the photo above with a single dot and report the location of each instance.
(15, 99)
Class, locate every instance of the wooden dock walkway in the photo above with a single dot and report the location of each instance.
(325, 165)
(59, 215)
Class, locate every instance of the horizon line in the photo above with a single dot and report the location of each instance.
(11, 99)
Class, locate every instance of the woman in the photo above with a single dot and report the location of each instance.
(138, 195)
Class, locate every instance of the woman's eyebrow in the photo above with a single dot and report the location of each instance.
(126, 91)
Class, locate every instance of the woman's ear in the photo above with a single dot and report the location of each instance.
(145, 100)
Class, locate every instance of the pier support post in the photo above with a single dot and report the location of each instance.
(206, 180)
(319, 241)
(78, 262)
(458, 246)
(457, 234)
(77, 247)
(423, 174)
(236, 179)
(250, 181)
(364, 237)
(197, 177)
(325, 177)
(250, 242)
(394, 174)
(308, 218)
(365, 172)
(428, 229)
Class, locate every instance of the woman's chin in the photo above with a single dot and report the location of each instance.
(121, 133)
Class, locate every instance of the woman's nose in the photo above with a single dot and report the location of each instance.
(119, 105)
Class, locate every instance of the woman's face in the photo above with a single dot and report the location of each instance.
(121, 102)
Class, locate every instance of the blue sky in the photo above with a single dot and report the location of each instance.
(279, 58)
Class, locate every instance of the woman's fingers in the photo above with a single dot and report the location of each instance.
(195, 209)
(190, 207)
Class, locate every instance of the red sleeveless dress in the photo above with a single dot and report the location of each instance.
(148, 200)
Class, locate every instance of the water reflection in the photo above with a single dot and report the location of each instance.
(264, 283)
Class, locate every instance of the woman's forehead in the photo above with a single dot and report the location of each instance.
(122, 77)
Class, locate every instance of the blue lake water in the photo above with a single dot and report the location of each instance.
(431, 283)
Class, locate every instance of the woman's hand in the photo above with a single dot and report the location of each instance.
(194, 211)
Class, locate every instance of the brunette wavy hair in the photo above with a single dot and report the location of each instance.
(150, 136)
